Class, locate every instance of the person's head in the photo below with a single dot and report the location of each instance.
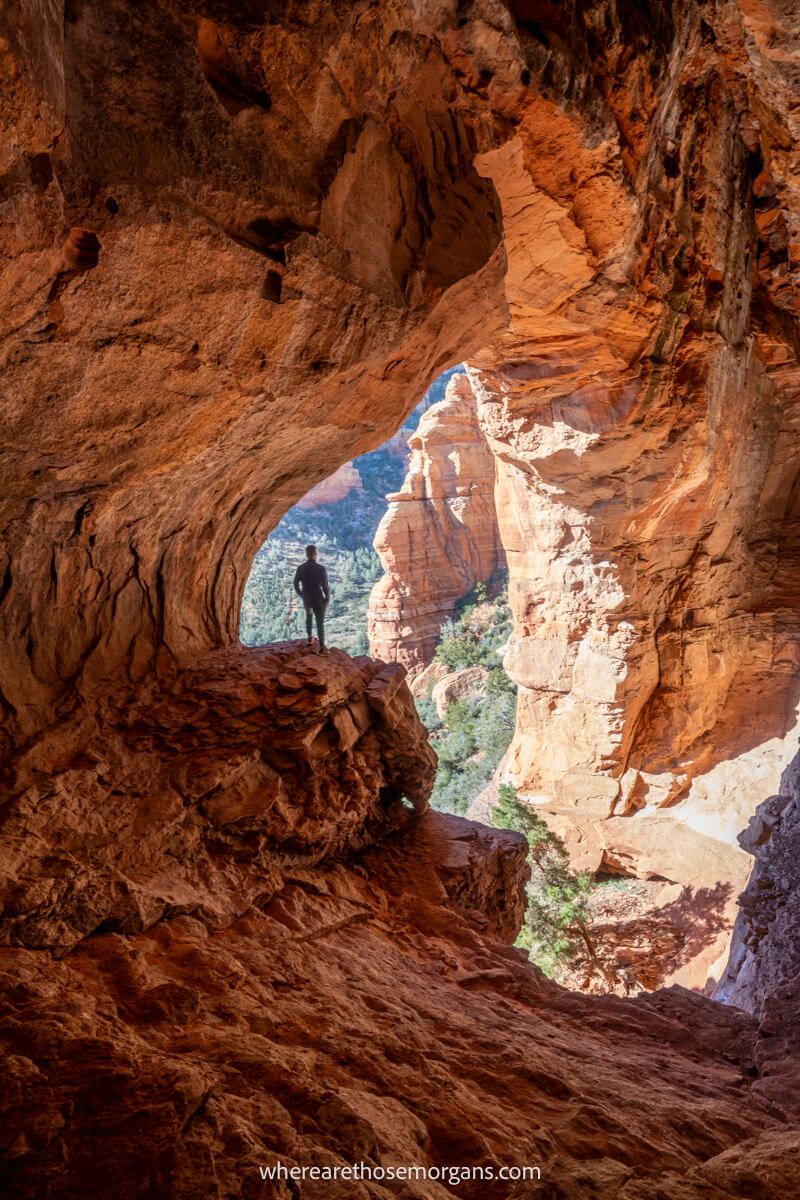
(311, 552)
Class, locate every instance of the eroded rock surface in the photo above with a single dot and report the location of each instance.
(193, 795)
(439, 535)
(765, 952)
(360, 1016)
(642, 409)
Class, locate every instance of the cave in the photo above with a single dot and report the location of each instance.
(241, 955)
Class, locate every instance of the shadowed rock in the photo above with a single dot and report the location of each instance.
(193, 795)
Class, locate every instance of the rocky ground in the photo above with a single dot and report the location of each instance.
(190, 798)
(366, 1012)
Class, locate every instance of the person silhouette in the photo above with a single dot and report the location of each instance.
(311, 585)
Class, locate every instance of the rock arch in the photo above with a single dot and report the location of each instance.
(516, 184)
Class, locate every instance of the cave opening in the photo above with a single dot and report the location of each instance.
(341, 515)
(409, 536)
(635, 873)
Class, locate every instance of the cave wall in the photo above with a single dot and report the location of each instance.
(275, 239)
(642, 406)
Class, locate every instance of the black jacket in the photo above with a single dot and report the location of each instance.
(311, 582)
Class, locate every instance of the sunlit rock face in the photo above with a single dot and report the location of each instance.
(642, 414)
(239, 241)
(329, 491)
(439, 535)
(642, 409)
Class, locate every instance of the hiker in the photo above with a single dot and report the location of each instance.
(311, 585)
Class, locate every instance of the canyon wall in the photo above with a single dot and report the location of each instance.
(439, 535)
(641, 406)
(647, 452)
(337, 487)
(239, 240)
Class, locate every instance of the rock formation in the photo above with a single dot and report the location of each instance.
(439, 535)
(643, 423)
(360, 1016)
(328, 491)
(765, 953)
(239, 240)
(456, 684)
(191, 795)
(647, 461)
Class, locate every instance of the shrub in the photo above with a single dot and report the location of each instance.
(477, 730)
(428, 714)
(460, 650)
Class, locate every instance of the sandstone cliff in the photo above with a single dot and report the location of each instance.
(328, 491)
(643, 422)
(238, 241)
(439, 536)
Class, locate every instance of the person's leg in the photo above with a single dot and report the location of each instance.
(319, 613)
(309, 622)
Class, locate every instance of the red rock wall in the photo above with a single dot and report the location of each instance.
(439, 535)
(643, 423)
(249, 316)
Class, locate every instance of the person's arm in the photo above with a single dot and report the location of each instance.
(297, 586)
(326, 590)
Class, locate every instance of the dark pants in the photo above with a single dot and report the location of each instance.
(318, 611)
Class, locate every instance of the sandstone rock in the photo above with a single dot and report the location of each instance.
(483, 870)
(193, 796)
(301, 214)
(439, 535)
(328, 491)
(422, 682)
(361, 1015)
(454, 685)
(690, 936)
(652, 566)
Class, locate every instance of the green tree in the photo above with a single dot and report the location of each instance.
(556, 919)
